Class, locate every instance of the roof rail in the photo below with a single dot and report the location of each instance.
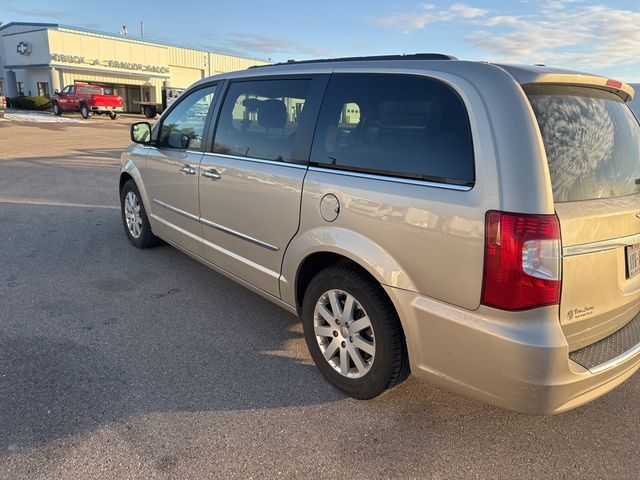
(412, 56)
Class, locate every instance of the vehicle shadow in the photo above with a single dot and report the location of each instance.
(80, 157)
(93, 330)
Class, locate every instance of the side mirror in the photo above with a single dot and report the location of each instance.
(141, 133)
(56, 91)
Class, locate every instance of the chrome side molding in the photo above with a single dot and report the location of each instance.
(217, 226)
(600, 246)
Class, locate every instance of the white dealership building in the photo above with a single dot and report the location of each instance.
(39, 58)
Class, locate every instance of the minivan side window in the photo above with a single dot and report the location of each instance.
(259, 119)
(184, 126)
(399, 125)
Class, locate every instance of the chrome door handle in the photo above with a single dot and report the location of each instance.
(211, 173)
(187, 170)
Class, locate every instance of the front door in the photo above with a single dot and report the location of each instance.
(171, 170)
(250, 185)
(63, 97)
(133, 99)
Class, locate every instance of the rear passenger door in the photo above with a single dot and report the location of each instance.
(251, 180)
(397, 153)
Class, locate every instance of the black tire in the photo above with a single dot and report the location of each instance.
(84, 111)
(390, 365)
(149, 111)
(55, 108)
(146, 239)
(113, 115)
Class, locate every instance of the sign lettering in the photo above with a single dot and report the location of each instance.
(139, 67)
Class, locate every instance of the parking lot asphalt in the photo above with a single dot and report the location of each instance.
(121, 363)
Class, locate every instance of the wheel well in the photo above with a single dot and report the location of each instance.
(124, 178)
(317, 262)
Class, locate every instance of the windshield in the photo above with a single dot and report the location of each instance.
(592, 141)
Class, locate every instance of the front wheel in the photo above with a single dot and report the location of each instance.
(84, 111)
(56, 109)
(353, 332)
(134, 217)
(113, 115)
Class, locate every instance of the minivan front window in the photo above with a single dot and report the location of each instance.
(183, 127)
(592, 141)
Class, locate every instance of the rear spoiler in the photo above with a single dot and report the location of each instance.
(621, 89)
(541, 74)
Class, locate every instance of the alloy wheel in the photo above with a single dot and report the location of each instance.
(133, 214)
(344, 333)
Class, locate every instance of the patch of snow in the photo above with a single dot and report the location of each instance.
(39, 117)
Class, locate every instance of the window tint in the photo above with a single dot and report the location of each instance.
(260, 119)
(592, 141)
(397, 125)
(183, 127)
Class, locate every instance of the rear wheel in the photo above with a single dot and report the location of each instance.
(353, 332)
(84, 111)
(149, 111)
(56, 109)
(134, 217)
(113, 115)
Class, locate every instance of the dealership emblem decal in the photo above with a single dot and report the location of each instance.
(23, 48)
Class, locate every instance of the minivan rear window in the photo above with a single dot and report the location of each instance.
(592, 141)
(395, 125)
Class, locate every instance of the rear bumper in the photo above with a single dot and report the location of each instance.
(519, 361)
(96, 108)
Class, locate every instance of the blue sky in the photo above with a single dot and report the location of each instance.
(597, 36)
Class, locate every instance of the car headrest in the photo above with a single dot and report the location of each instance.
(272, 114)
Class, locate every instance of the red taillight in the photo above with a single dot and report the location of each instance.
(614, 83)
(521, 261)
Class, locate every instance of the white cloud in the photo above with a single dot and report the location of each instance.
(466, 12)
(580, 35)
(562, 32)
(427, 14)
(240, 43)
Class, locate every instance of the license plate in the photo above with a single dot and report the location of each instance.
(633, 260)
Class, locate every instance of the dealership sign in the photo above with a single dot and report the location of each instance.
(23, 48)
(139, 67)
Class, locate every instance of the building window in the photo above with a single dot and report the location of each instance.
(1, 94)
(20, 88)
(43, 89)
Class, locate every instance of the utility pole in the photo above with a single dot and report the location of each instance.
(141, 30)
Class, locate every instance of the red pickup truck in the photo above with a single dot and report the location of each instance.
(86, 99)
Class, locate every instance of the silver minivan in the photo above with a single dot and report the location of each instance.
(475, 224)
